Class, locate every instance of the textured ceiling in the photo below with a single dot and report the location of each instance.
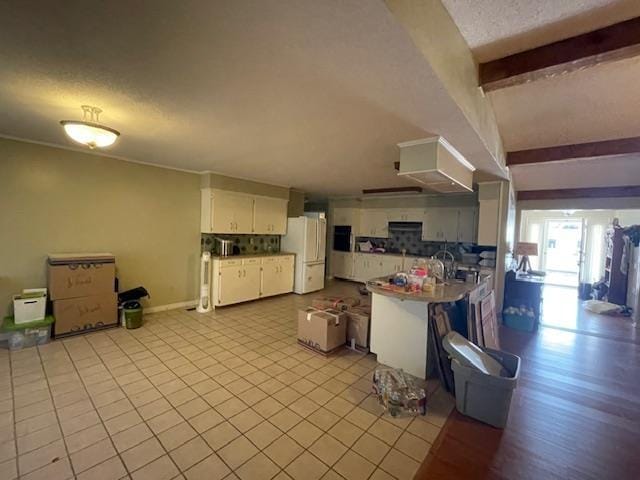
(308, 94)
(497, 28)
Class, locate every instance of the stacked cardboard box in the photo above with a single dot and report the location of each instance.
(82, 287)
(358, 318)
(323, 331)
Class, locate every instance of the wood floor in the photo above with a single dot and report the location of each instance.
(574, 415)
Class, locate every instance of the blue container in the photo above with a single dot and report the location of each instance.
(525, 323)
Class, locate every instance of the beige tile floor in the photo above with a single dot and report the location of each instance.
(224, 395)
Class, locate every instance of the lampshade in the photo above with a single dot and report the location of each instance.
(90, 133)
(527, 248)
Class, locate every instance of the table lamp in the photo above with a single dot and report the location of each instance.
(525, 249)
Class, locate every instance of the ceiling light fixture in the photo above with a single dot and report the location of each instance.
(88, 131)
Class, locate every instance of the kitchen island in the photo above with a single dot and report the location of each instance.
(400, 321)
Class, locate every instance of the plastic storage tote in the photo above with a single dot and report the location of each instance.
(484, 396)
(27, 334)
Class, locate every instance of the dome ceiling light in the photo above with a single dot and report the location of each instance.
(88, 131)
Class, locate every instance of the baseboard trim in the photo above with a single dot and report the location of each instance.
(171, 306)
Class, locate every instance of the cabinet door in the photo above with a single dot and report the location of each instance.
(270, 278)
(338, 264)
(367, 225)
(223, 212)
(251, 275)
(243, 213)
(270, 216)
(360, 267)
(448, 218)
(431, 226)
(467, 222)
(488, 222)
(231, 285)
(390, 265)
(285, 275)
(381, 224)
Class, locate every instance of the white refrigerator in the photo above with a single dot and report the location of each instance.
(306, 237)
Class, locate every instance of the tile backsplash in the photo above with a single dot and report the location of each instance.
(412, 242)
(246, 243)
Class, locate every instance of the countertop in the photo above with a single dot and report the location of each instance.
(386, 254)
(252, 255)
(442, 293)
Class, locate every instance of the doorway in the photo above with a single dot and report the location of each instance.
(562, 251)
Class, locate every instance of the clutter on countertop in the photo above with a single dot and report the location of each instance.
(399, 393)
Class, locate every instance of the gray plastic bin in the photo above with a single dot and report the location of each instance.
(486, 397)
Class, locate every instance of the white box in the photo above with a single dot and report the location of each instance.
(30, 305)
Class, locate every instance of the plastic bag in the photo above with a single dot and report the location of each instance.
(398, 393)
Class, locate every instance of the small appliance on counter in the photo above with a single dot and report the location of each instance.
(225, 248)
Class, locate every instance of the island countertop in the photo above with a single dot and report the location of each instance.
(442, 293)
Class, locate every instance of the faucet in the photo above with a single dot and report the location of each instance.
(449, 271)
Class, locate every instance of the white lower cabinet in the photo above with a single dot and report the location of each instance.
(342, 264)
(244, 279)
(371, 265)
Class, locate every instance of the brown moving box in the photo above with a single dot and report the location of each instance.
(337, 303)
(78, 315)
(322, 330)
(358, 321)
(80, 275)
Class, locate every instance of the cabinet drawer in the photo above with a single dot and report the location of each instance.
(230, 263)
(286, 259)
(269, 260)
(252, 261)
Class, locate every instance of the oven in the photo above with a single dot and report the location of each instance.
(342, 238)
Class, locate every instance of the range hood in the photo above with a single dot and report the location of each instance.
(436, 165)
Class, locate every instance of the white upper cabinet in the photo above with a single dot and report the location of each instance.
(405, 214)
(232, 212)
(346, 216)
(488, 222)
(467, 224)
(440, 224)
(270, 216)
(226, 212)
(374, 223)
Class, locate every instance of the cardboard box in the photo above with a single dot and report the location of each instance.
(75, 275)
(322, 330)
(358, 321)
(83, 314)
(336, 303)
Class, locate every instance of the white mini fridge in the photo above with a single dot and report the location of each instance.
(306, 237)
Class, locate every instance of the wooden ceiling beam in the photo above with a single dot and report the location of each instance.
(571, 193)
(615, 42)
(606, 148)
